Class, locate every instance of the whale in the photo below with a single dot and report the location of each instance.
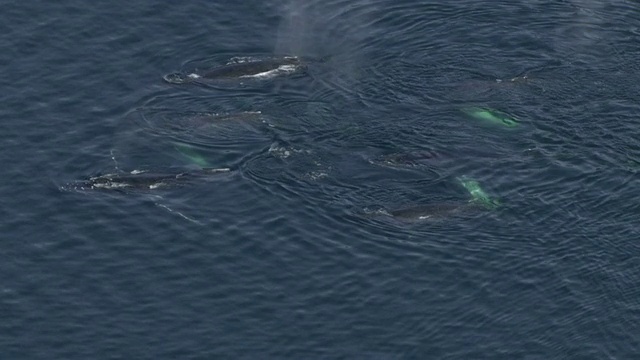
(424, 213)
(436, 211)
(480, 202)
(412, 159)
(144, 180)
(250, 68)
(265, 68)
(429, 157)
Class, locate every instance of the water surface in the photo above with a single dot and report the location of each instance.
(281, 258)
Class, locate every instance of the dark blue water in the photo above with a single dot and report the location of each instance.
(294, 253)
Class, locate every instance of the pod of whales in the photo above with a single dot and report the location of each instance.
(266, 68)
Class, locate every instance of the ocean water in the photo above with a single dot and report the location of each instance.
(342, 229)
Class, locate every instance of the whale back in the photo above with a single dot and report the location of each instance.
(249, 68)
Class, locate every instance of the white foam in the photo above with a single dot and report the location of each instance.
(156, 185)
(219, 170)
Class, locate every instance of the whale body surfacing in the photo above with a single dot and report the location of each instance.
(258, 69)
(435, 211)
(142, 180)
(427, 212)
(252, 68)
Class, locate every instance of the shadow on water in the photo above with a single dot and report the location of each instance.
(200, 138)
(207, 128)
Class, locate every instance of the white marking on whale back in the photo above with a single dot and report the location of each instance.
(110, 185)
(281, 70)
